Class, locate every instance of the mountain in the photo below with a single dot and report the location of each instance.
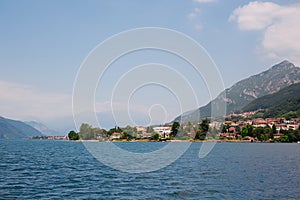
(289, 109)
(43, 128)
(283, 102)
(242, 93)
(282, 96)
(13, 129)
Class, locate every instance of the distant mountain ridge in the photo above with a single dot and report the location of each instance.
(13, 129)
(243, 92)
(43, 128)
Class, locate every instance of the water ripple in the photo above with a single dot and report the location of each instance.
(65, 170)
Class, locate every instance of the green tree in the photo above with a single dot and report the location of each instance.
(154, 136)
(202, 129)
(297, 134)
(247, 131)
(284, 138)
(258, 132)
(204, 125)
(126, 136)
(224, 128)
(73, 135)
(149, 129)
(250, 130)
(99, 134)
(86, 132)
(213, 133)
(244, 131)
(132, 131)
(274, 131)
(115, 129)
(175, 128)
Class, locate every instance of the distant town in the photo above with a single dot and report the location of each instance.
(242, 127)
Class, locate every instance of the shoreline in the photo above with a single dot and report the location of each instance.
(149, 141)
(190, 141)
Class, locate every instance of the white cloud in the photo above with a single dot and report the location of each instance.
(25, 102)
(194, 18)
(279, 25)
(255, 15)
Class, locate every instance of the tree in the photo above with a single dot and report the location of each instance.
(130, 131)
(126, 136)
(224, 128)
(202, 129)
(274, 131)
(213, 133)
(244, 131)
(192, 133)
(250, 130)
(268, 132)
(204, 125)
(258, 132)
(155, 136)
(99, 133)
(73, 135)
(112, 130)
(284, 138)
(175, 128)
(149, 129)
(85, 132)
(247, 131)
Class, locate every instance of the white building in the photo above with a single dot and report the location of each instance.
(163, 131)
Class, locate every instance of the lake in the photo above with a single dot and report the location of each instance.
(37, 169)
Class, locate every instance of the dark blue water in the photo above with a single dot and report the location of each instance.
(65, 170)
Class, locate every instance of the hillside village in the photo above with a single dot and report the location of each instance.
(279, 127)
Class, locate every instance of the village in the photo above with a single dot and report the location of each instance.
(244, 129)
(241, 127)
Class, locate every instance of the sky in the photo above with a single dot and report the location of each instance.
(44, 43)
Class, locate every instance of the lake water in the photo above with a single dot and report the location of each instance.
(34, 169)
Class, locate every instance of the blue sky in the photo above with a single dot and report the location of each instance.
(43, 43)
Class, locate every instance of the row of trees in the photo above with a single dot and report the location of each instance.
(87, 132)
(191, 131)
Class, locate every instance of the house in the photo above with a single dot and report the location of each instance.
(232, 130)
(259, 122)
(229, 135)
(146, 135)
(141, 129)
(281, 127)
(115, 135)
(163, 131)
(57, 137)
(278, 135)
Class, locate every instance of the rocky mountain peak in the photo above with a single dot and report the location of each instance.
(284, 65)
